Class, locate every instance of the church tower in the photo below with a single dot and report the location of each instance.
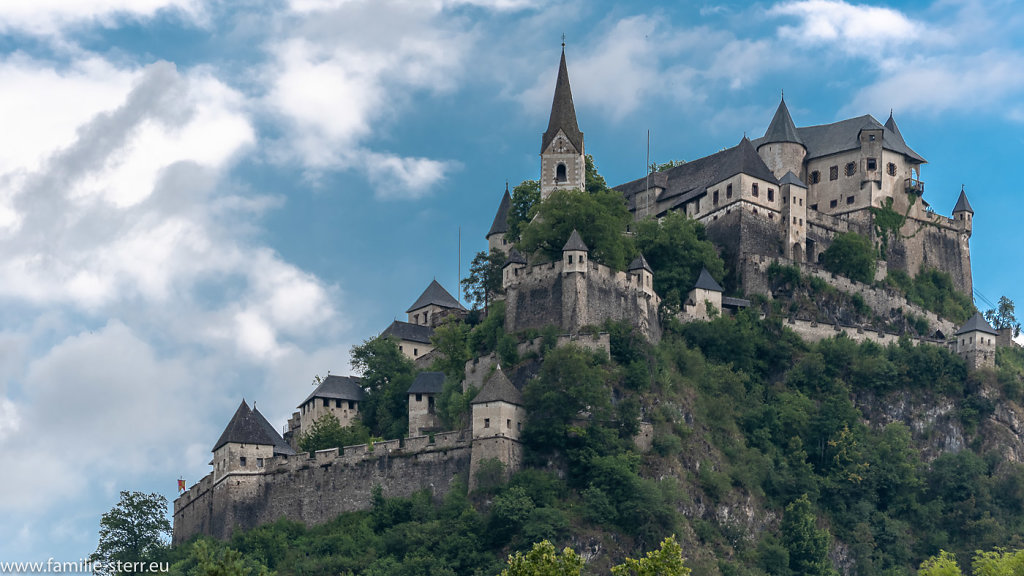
(562, 164)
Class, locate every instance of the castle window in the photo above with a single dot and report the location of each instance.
(771, 195)
(833, 203)
(715, 198)
(833, 173)
(508, 423)
(327, 403)
(801, 201)
(801, 221)
(241, 461)
(771, 216)
(337, 403)
(785, 199)
(259, 462)
(560, 173)
(351, 405)
(400, 348)
(851, 168)
(794, 219)
(487, 422)
(728, 191)
(891, 169)
(415, 351)
(849, 199)
(872, 164)
(871, 137)
(419, 397)
(430, 404)
(753, 189)
(815, 177)
(814, 206)
(570, 258)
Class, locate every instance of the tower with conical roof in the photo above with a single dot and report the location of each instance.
(963, 214)
(496, 239)
(781, 148)
(562, 163)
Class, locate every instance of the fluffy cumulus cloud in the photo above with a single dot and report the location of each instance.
(49, 17)
(858, 29)
(347, 69)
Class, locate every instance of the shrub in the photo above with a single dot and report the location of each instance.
(851, 255)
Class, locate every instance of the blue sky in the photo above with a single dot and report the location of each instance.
(203, 200)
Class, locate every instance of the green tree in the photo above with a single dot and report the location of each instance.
(386, 377)
(852, 256)
(484, 280)
(655, 167)
(807, 546)
(570, 382)
(211, 559)
(1003, 316)
(942, 565)
(998, 562)
(677, 247)
(544, 560)
(667, 560)
(525, 198)
(601, 219)
(593, 181)
(327, 432)
(136, 529)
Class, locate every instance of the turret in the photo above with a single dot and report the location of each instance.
(976, 343)
(562, 163)
(496, 239)
(513, 267)
(433, 306)
(963, 214)
(781, 148)
(574, 254)
(705, 299)
(246, 444)
(641, 275)
(498, 417)
(423, 394)
(794, 211)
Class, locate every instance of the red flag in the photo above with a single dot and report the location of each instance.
(181, 485)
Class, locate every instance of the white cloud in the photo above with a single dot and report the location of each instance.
(10, 422)
(857, 29)
(49, 17)
(396, 177)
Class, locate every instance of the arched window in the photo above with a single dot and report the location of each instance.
(560, 173)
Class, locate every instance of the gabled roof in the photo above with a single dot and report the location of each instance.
(409, 331)
(500, 224)
(280, 446)
(435, 294)
(245, 428)
(977, 323)
(828, 139)
(498, 388)
(781, 128)
(962, 205)
(791, 178)
(706, 282)
(563, 113)
(575, 242)
(514, 257)
(338, 388)
(427, 383)
(692, 179)
(640, 263)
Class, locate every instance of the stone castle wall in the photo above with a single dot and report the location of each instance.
(543, 295)
(315, 488)
(815, 332)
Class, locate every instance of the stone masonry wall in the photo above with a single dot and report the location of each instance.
(316, 488)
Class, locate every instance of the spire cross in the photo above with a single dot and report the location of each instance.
(563, 39)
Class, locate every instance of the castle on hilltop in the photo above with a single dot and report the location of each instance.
(781, 197)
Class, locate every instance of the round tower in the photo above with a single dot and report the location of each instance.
(963, 214)
(781, 148)
(574, 254)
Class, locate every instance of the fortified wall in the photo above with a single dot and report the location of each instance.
(543, 295)
(315, 488)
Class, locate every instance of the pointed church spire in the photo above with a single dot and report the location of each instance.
(782, 128)
(563, 112)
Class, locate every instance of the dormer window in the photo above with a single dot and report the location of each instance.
(560, 173)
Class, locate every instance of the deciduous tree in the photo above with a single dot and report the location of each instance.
(136, 529)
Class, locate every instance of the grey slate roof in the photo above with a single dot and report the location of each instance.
(338, 388)
(280, 446)
(781, 128)
(498, 388)
(575, 242)
(706, 282)
(437, 295)
(246, 427)
(793, 179)
(962, 205)
(828, 139)
(977, 323)
(730, 302)
(640, 263)
(514, 257)
(563, 113)
(692, 179)
(500, 224)
(409, 331)
(890, 124)
(427, 383)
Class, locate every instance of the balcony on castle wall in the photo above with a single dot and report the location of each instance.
(914, 185)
